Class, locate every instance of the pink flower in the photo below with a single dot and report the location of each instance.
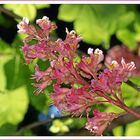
(119, 52)
(24, 27)
(73, 101)
(80, 82)
(91, 65)
(110, 80)
(45, 24)
(72, 38)
(43, 79)
(99, 122)
(34, 51)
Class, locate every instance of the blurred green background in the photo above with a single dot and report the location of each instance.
(101, 26)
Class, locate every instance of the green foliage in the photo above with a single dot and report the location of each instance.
(97, 23)
(14, 106)
(26, 10)
(16, 86)
(127, 37)
(40, 102)
(131, 96)
(132, 129)
(7, 130)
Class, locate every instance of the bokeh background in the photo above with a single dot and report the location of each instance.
(102, 26)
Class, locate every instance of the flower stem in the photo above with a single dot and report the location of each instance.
(129, 110)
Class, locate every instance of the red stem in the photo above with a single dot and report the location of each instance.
(129, 110)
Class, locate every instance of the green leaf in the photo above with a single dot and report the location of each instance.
(23, 10)
(14, 106)
(133, 129)
(137, 26)
(67, 13)
(8, 130)
(117, 131)
(95, 23)
(41, 6)
(16, 73)
(135, 80)
(113, 108)
(41, 102)
(127, 37)
(6, 53)
(126, 19)
(131, 96)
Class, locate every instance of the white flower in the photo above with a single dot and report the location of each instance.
(114, 62)
(40, 20)
(90, 51)
(22, 25)
(98, 51)
(25, 20)
(128, 66)
(99, 54)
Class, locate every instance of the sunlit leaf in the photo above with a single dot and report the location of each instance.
(117, 131)
(16, 73)
(6, 53)
(126, 19)
(135, 80)
(14, 105)
(95, 23)
(67, 13)
(133, 129)
(127, 37)
(131, 96)
(41, 6)
(23, 10)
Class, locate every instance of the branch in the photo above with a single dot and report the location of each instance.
(136, 87)
(37, 124)
(123, 119)
(9, 13)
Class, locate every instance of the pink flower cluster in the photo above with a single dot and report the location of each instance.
(117, 52)
(80, 81)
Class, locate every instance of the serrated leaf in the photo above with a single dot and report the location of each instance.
(14, 105)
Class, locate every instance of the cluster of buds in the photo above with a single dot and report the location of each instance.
(79, 81)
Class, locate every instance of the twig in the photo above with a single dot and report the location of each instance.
(36, 124)
(9, 13)
(123, 119)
